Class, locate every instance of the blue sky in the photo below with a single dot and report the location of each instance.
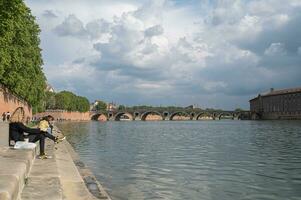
(217, 53)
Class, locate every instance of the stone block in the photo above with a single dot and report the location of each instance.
(42, 188)
(9, 187)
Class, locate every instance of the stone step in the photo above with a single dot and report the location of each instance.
(9, 187)
(14, 167)
(55, 178)
(44, 179)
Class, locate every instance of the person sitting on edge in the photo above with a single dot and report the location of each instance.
(44, 125)
(17, 129)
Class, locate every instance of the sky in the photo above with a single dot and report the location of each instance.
(209, 53)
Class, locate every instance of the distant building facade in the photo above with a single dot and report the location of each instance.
(108, 106)
(277, 104)
(49, 88)
(111, 106)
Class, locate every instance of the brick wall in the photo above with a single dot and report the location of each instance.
(65, 115)
(9, 102)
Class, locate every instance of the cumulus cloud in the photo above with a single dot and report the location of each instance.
(154, 31)
(275, 49)
(215, 54)
(70, 26)
(97, 28)
(49, 14)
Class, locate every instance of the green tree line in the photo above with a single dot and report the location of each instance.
(101, 106)
(66, 100)
(20, 54)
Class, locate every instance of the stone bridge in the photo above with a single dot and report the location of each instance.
(165, 114)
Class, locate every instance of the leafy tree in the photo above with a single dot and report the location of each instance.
(121, 107)
(49, 100)
(66, 100)
(82, 104)
(101, 106)
(20, 54)
(63, 100)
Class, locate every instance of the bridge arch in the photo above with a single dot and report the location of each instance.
(126, 115)
(200, 115)
(225, 114)
(181, 113)
(99, 117)
(144, 115)
(237, 116)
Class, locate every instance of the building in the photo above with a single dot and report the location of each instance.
(277, 104)
(111, 106)
(104, 106)
(49, 88)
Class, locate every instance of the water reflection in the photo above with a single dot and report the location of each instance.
(192, 159)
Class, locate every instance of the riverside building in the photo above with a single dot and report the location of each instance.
(277, 104)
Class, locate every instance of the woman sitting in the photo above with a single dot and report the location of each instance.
(17, 130)
(45, 125)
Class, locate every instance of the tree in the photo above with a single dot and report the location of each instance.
(82, 104)
(49, 100)
(20, 54)
(121, 107)
(63, 100)
(101, 106)
(66, 100)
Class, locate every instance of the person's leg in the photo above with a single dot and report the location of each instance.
(46, 134)
(54, 138)
(41, 138)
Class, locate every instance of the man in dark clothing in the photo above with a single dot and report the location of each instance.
(17, 130)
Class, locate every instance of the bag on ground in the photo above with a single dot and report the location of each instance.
(24, 145)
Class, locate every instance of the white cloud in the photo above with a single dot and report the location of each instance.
(154, 31)
(275, 49)
(70, 26)
(98, 28)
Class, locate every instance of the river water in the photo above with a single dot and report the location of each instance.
(195, 160)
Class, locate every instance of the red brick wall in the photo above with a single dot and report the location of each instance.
(65, 115)
(9, 102)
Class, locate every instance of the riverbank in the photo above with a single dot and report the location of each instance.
(63, 176)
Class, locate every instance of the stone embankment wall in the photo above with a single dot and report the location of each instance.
(64, 115)
(9, 102)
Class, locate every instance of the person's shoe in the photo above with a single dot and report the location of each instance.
(59, 139)
(44, 156)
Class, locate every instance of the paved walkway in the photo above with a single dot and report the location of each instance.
(24, 177)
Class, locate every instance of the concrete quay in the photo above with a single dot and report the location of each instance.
(24, 177)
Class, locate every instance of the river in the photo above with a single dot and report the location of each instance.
(195, 160)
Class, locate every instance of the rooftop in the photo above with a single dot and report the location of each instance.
(273, 92)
